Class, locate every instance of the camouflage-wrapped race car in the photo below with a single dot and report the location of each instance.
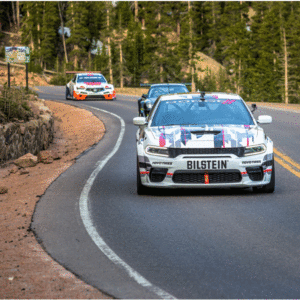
(200, 140)
(89, 86)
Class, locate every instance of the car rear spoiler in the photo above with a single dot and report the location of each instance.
(76, 72)
(150, 84)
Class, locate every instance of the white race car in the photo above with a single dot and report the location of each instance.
(87, 86)
(200, 140)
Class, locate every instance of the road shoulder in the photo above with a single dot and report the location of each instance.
(27, 271)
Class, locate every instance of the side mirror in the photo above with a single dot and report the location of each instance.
(139, 121)
(264, 119)
(253, 107)
(145, 95)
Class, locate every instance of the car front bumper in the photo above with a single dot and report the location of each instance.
(187, 172)
(111, 95)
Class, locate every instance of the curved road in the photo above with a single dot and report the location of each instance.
(181, 244)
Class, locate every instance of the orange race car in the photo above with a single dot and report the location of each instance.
(89, 86)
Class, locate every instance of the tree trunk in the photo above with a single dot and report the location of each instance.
(63, 31)
(178, 28)
(14, 13)
(9, 20)
(214, 26)
(18, 14)
(161, 69)
(286, 83)
(121, 66)
(191, 48)
(75, 46)
(90, 60)
(31, 39)
(39, 43)
(136, 11)
(109, 51)
(240, 75)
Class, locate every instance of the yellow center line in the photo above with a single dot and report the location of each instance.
(287, 162)
(286, 158)
(285, 165)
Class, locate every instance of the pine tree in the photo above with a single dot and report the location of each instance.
(49, 42)
(293, 41)
(265, 47)
(77, 15)
(234, 39)
(134, 53)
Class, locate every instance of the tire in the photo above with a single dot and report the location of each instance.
(270, 187)
(141, 189)
(67, 93)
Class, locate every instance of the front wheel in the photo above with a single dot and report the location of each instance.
(67, 93)
(141, 189)
(270, 187)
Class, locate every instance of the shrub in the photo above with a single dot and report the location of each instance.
(59, 79)
(14, 104)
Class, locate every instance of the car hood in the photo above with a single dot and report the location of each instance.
(206, 137)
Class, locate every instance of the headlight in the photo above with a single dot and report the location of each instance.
(256, 149)
(148, 105)
(160, 151)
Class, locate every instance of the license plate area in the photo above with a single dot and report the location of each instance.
(206, 164)
(206, 177)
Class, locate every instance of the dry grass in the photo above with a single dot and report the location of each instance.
(132, 91)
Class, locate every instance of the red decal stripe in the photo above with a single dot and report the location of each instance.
(244, 173)
(170, 174)
(268, 170)
(144, 172)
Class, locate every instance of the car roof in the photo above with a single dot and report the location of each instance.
(192, 95)
(89, 74)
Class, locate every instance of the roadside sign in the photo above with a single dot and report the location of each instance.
(17, 55)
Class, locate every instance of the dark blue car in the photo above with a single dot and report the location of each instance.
(146, 102)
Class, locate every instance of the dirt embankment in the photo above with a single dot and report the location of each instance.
(27, 271)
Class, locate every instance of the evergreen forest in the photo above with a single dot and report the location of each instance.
(257, 42)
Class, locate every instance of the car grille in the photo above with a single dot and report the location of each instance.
(95, 90)
(196, 177)
(255, 173)
(94, 97)
(174, 152)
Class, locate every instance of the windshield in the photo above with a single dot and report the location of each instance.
(91, 79)
(163, 90)
(197, 112)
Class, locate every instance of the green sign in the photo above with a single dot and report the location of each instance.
(16, 55)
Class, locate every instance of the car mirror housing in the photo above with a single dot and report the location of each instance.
(264, 119)
(253, 107)
(139, 121)
(145, 95)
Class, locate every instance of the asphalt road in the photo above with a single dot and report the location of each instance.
(182, 244)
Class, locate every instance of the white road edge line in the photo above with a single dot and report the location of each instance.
(90, 228)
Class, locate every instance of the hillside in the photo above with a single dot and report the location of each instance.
(204, 65)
